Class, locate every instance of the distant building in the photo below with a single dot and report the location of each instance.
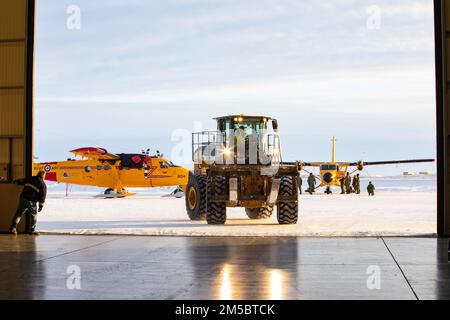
(407, 173)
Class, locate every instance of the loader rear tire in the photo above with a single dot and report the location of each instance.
(287, 212)
(259, 213)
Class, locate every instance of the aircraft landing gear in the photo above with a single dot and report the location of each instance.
(118, 193)
(328, 190)
(108, 191)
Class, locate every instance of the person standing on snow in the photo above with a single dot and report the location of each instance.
(311, 183)
(347, 182)
(371, 189)
(356, 184)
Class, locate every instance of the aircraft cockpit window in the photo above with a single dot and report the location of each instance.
(163, 165)
(332, 167)
(107, 167)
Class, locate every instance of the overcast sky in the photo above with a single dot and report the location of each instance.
(139, 73)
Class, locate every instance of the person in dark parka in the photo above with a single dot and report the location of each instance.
(371, 189)
(342, 181)
(311, 183)
(33, 193)
(356, 184)
(347, 182)
(300, 182)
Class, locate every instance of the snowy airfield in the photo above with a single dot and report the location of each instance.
(401, 206)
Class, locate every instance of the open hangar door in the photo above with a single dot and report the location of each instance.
(442, 37)
(25, 40)
(16, 101)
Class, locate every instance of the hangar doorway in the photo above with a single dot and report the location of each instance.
(110, 82)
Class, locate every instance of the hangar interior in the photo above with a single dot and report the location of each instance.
(292, 264)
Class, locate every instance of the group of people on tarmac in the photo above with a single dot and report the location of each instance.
(348, 185)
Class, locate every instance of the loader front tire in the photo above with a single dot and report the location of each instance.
(287, 212)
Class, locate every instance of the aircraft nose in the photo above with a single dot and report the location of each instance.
(327, 177)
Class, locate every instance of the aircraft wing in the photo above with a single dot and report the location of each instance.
(312, 164)
(375, 163)
(305, 164)
(94, 153)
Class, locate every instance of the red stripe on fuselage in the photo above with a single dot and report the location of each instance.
(51, 176)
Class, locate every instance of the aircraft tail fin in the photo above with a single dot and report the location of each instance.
(333, 150)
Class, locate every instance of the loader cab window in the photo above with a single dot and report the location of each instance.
(250, 125)
(274, 124)
(224, 125)
(223, 128)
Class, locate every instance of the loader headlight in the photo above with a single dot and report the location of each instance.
(226, 152)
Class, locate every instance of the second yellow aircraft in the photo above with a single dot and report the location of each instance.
(332, 172)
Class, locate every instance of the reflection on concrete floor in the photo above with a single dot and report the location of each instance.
(116, 267)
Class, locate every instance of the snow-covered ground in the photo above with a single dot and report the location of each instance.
(389, 213)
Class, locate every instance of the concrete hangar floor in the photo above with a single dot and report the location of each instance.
(149, 267)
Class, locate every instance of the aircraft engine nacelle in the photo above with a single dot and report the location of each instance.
(360, 166)
(328, 177)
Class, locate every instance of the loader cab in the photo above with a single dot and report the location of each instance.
(248, 124)
(255, 133)
(239, 165)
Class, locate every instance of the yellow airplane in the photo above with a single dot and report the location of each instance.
(97, 167)
(332, 172)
